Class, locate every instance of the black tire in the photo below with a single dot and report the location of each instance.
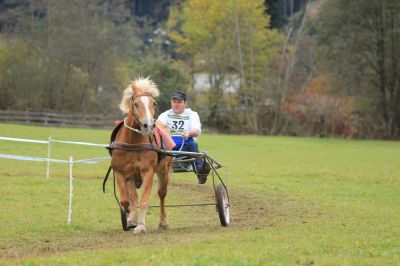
(223, 205)
(124, 220)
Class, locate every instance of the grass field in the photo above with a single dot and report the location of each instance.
(293, 201)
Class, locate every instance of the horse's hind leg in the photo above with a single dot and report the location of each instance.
(163, 181)
(163, 174)
(133, 199)
(123, 192)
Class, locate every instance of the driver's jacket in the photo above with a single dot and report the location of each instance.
(178, 123)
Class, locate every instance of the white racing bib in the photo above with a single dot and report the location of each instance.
(178, 123)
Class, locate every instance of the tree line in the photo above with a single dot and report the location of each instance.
(327, 68)
(77, 55)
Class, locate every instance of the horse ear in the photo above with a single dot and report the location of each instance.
(135, 89)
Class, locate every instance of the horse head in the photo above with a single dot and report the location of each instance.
(138, 101)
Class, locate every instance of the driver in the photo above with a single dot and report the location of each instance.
(185, 126)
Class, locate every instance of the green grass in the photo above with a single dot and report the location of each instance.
(294, 201)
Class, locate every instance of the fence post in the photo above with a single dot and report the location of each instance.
(27, 121)
(48, 158)
(70, 189)
(46, 118)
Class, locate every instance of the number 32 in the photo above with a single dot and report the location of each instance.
(177, 124)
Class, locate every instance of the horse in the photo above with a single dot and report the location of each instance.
(135, 157)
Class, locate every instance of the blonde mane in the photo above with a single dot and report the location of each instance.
(143, 84)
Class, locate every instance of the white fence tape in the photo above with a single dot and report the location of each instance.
(25, 140)
(79, 143)
(38, 159)
(92, 160)
(27, 158)
(53, 140)
(48, 160)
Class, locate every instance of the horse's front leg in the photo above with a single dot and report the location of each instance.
(123, 192)
(147, 185)
(133, 199)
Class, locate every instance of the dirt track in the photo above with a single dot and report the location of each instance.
(248, 210)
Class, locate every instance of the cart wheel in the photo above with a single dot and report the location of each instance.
(124, 220)
(222, 205)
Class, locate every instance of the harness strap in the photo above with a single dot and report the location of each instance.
(132, 147)
(142, 94)
(128, 147)
(105, 179)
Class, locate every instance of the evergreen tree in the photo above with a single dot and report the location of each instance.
(275, 9)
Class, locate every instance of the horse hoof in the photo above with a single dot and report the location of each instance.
(138, 182)
(139, 229)
(163, 226)
(131, 226)
(132, 221)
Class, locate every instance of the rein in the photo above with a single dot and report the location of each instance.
(131, 128)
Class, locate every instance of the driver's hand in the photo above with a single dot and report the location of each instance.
(185, 134)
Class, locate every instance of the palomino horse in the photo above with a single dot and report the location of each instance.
(135, 157)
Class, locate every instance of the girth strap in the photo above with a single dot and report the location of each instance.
(132, 147)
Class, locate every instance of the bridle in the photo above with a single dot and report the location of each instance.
(134, 105)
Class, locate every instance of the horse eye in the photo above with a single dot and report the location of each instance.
(136, 105)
